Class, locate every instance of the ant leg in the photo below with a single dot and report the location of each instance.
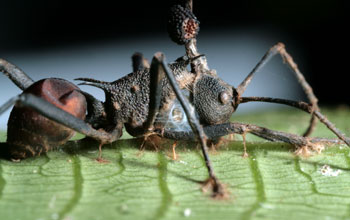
(245, 154)
(174, 152)
(17, 76)
(218, 188)
(62, 117)
(280, 49)
(303, 106)
(157, 76)
(215, 131)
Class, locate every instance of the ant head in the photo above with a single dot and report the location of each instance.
(213, 99)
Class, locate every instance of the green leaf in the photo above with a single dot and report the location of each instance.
(272, 183)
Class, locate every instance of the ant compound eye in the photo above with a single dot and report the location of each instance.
(224, 97)
(182, 25)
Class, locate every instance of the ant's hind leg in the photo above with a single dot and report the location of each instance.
(17, 76)
(280, 49)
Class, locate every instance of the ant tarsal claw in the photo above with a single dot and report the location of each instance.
(216, 189)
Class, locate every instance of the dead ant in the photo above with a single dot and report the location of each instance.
(48, 111)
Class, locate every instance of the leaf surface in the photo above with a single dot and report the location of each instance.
(272, 183)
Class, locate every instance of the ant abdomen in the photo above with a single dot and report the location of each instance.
(29, 133)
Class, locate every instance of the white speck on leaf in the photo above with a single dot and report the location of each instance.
(187, 212)
(326, 170)
(267, 206)
(124, 208)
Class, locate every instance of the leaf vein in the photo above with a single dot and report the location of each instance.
(260, 188)
(164, 189)
(78, 187)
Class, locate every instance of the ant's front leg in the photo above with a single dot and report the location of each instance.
(280, 49)
(22, 80)
(302, 106)
(62, 117)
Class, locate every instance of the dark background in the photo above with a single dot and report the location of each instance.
(318, 26)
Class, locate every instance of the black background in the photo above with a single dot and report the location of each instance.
(319, 26)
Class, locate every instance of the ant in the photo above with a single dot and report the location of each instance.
(49, 111)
